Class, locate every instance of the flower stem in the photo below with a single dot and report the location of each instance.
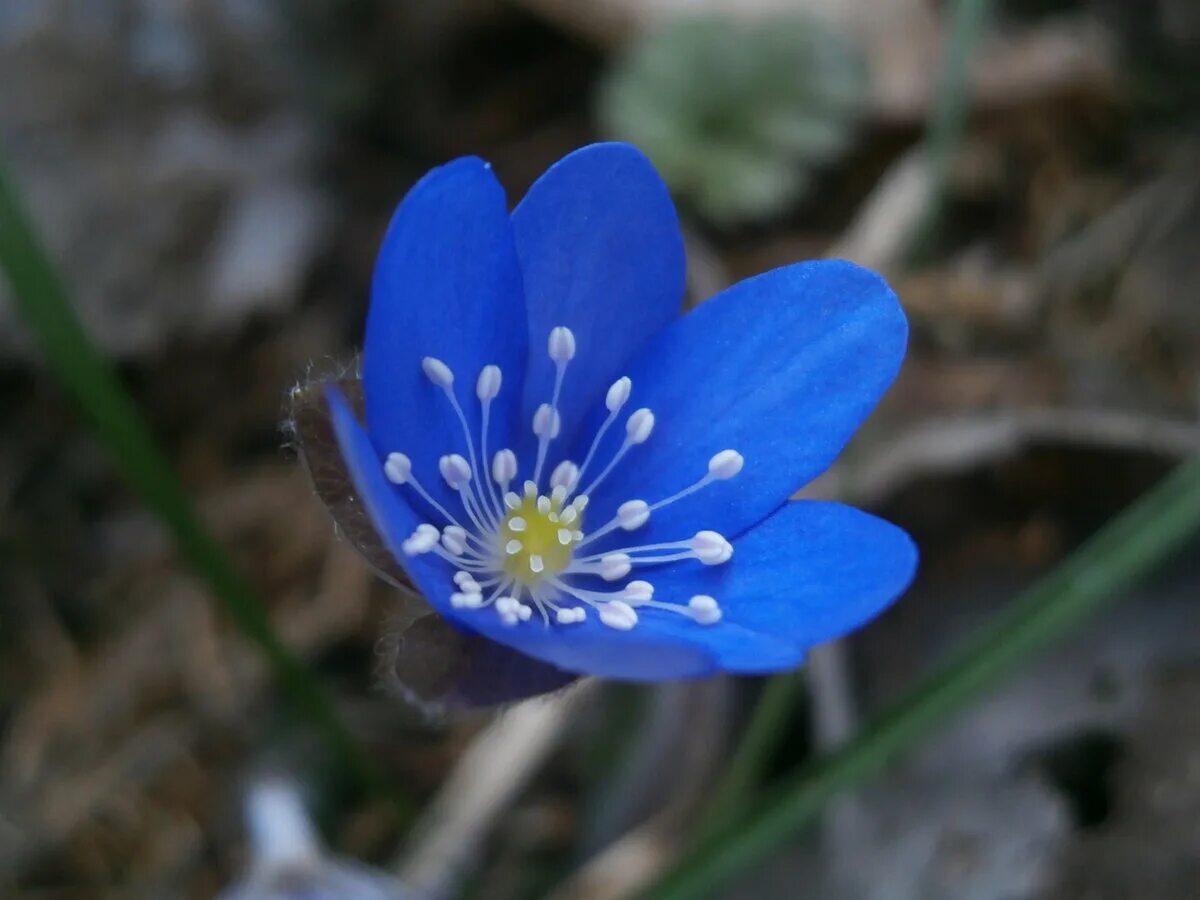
(42, 301)
(761, 739)
(1128, 547)
(949, 116)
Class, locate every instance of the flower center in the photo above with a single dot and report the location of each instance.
(537, 538)
(517, 553)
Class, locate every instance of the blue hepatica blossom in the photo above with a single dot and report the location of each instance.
(564, 464)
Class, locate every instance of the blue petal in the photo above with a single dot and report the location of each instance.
(810, 573)
(782, 367)
(447, 284)
(393, 518)
(601, 253)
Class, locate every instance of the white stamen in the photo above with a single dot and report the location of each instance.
(513, 547)
(543, 504)
(487, 386)
(504, 467)
(455, 469)
(615, 566)
(531, 489)
(638, 591)
(397, 468)
(569, 615)
(511, 500)
(561, 345)
(546, 422)
(711, 548)
(618, 614)
(725, 464)
(422, 540)
(565, 475)
(454, 539)
(509, 610)
(639, 426)
(564, 536)
(516, 523)
(437, 371)
(705, 609)
(618, 394)
(633, 514)
(463, 579)
(535, 563)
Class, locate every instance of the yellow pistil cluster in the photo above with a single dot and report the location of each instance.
(537, 538)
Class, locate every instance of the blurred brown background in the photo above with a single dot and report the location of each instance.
(213, 176)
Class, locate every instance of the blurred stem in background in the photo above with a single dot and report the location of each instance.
(42, 300)
(1130, 546)
(949, 117)
(771, 717)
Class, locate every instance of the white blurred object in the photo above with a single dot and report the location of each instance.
(288, 861)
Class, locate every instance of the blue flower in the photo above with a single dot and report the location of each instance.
(565, 465)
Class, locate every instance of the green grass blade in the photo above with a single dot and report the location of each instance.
(1128, 547)
(762, 737)
(948, 119)
(91, 382)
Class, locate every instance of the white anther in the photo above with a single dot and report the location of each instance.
(535, 563)
(725, 464)
(524, 612)
(530, 489)
(564, 536)
(581, 502)
(615, 566)
(507, 604)
(565, 475)
(633, 514)
(397, 468)
(437, 371)
(638, 591)
(705, 609)
(618, 614)
(711, 548)
(504, 467)
(578, 535)
(513, 547)
(557, 496)
(569, 615)
(509, 609)
(470, 586)
(546, 422)
(464, 580)
(543, 504)
(466, 600)
(516, 523)
(618, 393)
(511, 500)
(454, 539)
(487, 386)
(422, 540)
(639, 426)
(561, 345)
(455, 469)
(568, 515)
